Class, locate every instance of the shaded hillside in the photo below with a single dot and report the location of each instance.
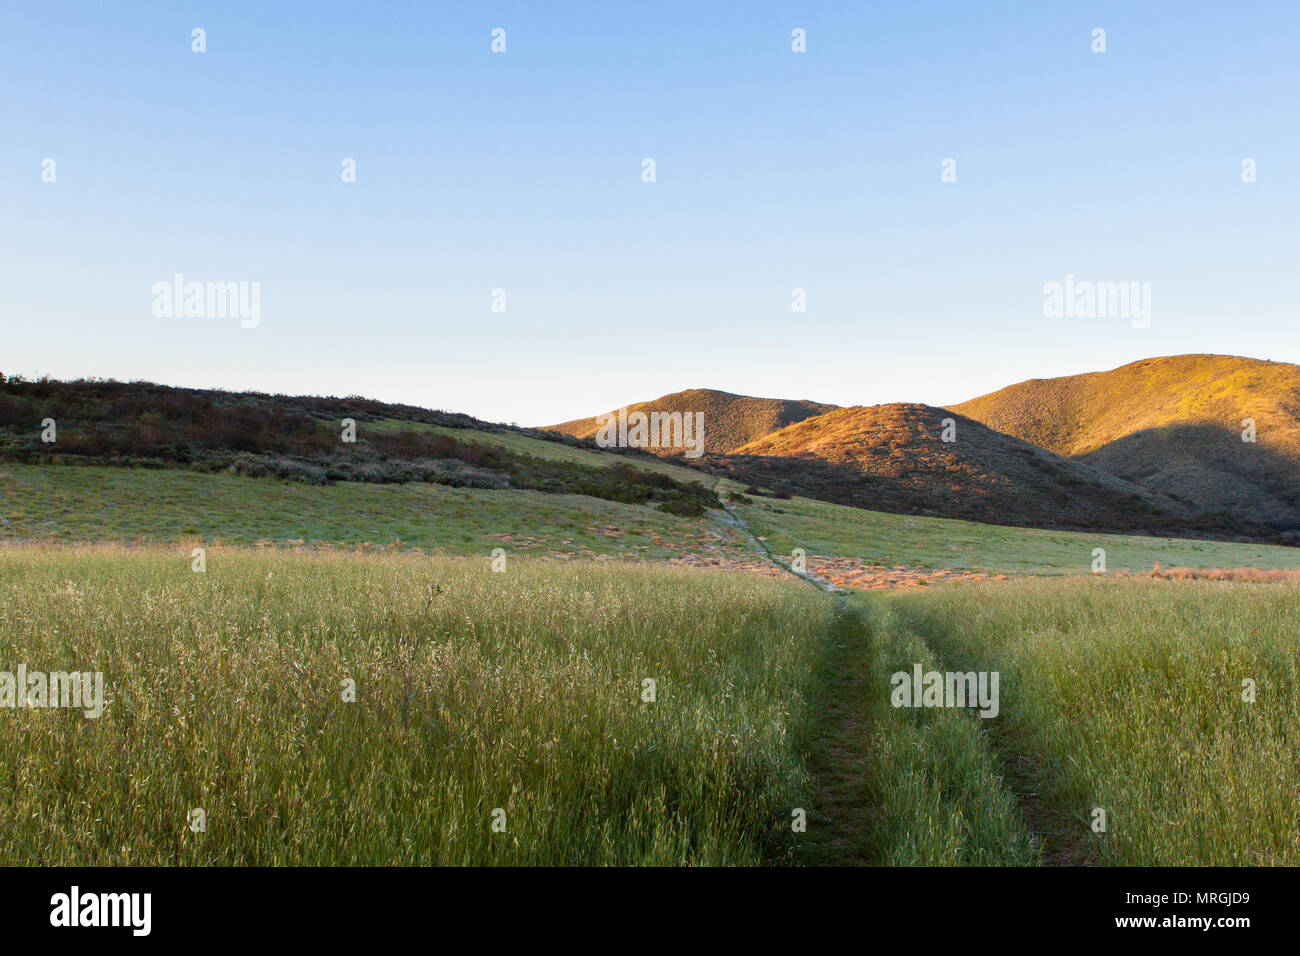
(729, 420)
(301, 438)
(1173, 425)
(892, 458)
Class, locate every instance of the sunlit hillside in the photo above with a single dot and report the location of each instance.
(729, 420)
(1174, 425)
(895, 458)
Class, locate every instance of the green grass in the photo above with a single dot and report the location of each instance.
(474, 691)
(1127, 695)
(91, 503)
(551, 450)
(836, 530)
(910, 787)
(520, 690)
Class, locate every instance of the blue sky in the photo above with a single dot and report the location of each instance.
(522, 171)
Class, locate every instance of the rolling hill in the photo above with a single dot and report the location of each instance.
(892, 458)
(319, 440)
(1173, 425)
(729, 420)
(1147, 448)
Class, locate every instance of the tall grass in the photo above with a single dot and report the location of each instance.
(1127, 695)
(910, 787)
(474, 691)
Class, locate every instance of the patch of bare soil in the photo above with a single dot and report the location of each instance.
(1273, 576)
(765, 568)
(843, 573)
(854, 573)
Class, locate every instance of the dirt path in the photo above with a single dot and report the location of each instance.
(1063, 843)
(817, 581)
(840, 822)
(843, 827)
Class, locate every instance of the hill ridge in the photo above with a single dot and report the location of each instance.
(893, 457)
(730, 419)
(1174, 424)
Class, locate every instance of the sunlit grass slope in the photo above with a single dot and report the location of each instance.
(839, 531)
(93, 503)
(729, 420)
(1078, 414)
(559, 451)
(1173, 424)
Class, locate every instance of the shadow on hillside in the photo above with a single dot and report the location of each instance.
(1211, 469)
(1049, 500)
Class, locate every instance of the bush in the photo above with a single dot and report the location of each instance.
(295, 470)
(682, 506)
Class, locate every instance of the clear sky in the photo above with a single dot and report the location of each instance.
(522, 171)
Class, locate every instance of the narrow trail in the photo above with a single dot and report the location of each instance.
(845, 832)
(761, 547)
(841, 834)
(845, 827)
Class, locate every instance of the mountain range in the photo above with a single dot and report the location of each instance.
(1187, 445)
(1202, 443)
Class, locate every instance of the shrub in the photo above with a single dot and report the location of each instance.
(682, 506)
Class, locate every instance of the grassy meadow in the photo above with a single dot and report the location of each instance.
(1128, 696)
(73, 503)
(91, 503)
(475, 690)
(824, 528)
(521, 691)
(558, 451)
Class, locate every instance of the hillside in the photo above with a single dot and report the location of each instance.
(1173, 425)
(308, 439)
(729, 420)
(891, 458)
(886, 458)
